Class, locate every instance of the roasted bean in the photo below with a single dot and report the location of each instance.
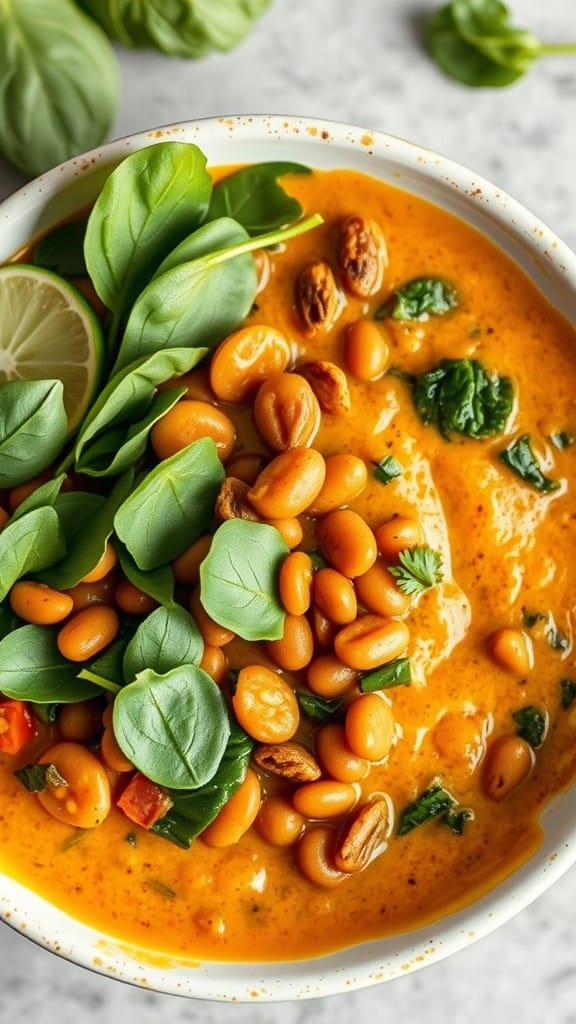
(327, 676)
(189, 420)
(397, 535)
(265, 705)
(132, 600)
(334, 595)
(289, 528)
(347, 542)
(345, 479)
(336, 755)
(325, 798)
(371, 641)
(212, 632)
(509, 761)
(369, 726)
(246, 466)
(104, 565)
(39, 604)
(237, 815)
(512, 649)
(286, 412)
(246, 358)
(88, 632)
(186, 567)
(366, 351)
(294, 650)
(84, 801)
(288, 484)
(278, 822)
(314, 857)
(378, 591)
(215, 663)
(295, 582)
(80, 722)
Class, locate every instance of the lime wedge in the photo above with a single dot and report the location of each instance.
(49, 331)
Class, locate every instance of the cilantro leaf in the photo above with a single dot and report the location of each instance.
(520, 458)
(420, 568)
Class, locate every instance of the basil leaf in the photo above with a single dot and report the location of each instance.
(28, 545)
(33, 427)
(533, 725)
(387, 469)
(87, 538)
(166, 639)
(129, 406)
(62, 250)
(193, 811)
(318, 709)
(253, 196)
(239, 579)
(173, 727)
(567, 693)
(432, 803)
(157, 583)
(58, 83)
(520, 458)
(172, 505)
(182, 29)
(183, 305)
(46, 494)
(460, 396)
(150, 202)
(395, 673)
(418, 298)
(32, 668)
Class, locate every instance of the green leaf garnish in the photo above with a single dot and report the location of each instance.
(395, 673)
(37, 777)
(417, 299)
(567, 693)
(533, 724)
(420, 568)
(387, 469)
(318, 709)
(459, 396)
(434, 802)
(520, 458)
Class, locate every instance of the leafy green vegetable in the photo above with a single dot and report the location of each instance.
(46, 494)
(29, 544)
(127, 408)
(8, 620)
(318, 709)
(434, 802)
(567, 693)
(533, 724)
(253, 197)
(62, 250)
(87, 538)
(183, 28)
(58, 83)
(395, 673)
(151, 201)
(239, 579)
(520, 458)
(418, 298)
(167, 638)
(474, 42)
(420, 568)
(460, 396)
(37, 777)
(32, 668)
(157, 583)
(174, 727)
(33, 428)
(563, 439)
(107, 667)
(387, 469)
(172, 505)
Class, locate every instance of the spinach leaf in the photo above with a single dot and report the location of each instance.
(183, 305)
(193, 811)
(173, 727)
(387, 469)
(87, 539)
(460, 396)
(108, 666)
(36, 777)
(239, 579)
(318, 709)
(33, 428)
(418, 298)
(32, 668)
(172, 505)
(184, 28)
(157, 583)
(166, 639)
(567, 693)
(46, 494)
(58, 83)
(474, 42)
(9, 621)
(520, 458)
(115, 432)
(395, 673)
(150, 202)
(28, 545)
(434, 802)
(253, 196)
(62, 250)
(533, 725)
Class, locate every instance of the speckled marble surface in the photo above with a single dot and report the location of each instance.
(363, 62)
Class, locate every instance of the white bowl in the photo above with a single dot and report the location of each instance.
(552, 267)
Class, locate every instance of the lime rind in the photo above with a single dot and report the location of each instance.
(48, 330)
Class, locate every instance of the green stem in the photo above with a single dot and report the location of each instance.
(269, 238)
(105, 684)
(552, 48)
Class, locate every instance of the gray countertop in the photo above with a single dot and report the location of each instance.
(363, 62)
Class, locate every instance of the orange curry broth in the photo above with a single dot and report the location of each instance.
(505, 547)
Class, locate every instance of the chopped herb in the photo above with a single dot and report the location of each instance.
(434, 802)
(557, 640)
(563, 439)
(459, 396)
(318, 561)
(162, 889)
(418, 298)
(533, 725)
(387, 469)
(520, 458)
(132, 839)
(568, 693)
(37, 777)
(530, 619)
(318, 709)
(420, 568)
(395, 673)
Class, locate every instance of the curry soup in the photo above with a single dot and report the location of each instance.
(400, 743)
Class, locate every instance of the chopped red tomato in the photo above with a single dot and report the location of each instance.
(143, 801)
(16, 726)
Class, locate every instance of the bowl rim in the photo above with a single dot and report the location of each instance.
(552, 265)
